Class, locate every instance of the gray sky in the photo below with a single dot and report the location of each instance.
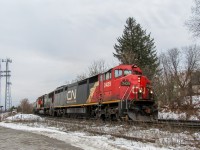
(51, 41)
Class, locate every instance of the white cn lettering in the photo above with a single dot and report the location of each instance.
(71, 95)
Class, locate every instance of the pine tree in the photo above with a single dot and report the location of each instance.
(137, 47)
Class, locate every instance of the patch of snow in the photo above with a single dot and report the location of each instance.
(177, 116)
(196, 99)
(193, 118)
(4, 115)
(24, 117)
(172, 115)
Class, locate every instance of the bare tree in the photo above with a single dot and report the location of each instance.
(194, 22)
(25, 106)
(96, 67)
(80, 77)
(177, 70)
(192, 54)
(169, 64)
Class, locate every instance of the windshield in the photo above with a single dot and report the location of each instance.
(126, 72)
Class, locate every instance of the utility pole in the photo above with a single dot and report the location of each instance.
(8, 101)
(0, 83)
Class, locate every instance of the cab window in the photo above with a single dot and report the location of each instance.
(126, 72)
(101, 77)
(107, 75)
(118, 73)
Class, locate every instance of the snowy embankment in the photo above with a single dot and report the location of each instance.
(24, 117)
(167, 114)
(76, 133)
(83, 140)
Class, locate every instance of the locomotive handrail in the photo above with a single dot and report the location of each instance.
(124, 96)
(127, 97)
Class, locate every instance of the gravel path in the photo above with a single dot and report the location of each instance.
(20, 140)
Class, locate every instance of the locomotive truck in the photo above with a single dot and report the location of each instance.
(122, 92)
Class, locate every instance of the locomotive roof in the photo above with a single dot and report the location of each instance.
(121, 66)
(61, 87)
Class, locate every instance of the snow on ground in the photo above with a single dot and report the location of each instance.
(85, 140)
(166, 114)
(177, 116)
(171, 115)
(88, 141)
(24, 117)
(4, 115)
(172, 138)
(81, 139)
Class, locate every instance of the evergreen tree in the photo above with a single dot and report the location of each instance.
(137, 47)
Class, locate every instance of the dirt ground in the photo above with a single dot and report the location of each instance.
(19, 140)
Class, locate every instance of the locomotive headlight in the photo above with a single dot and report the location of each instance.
(140, 93)
(151, 94)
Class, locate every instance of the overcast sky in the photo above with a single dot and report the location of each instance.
(51, 41)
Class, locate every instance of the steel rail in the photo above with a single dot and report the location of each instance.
(168, 122)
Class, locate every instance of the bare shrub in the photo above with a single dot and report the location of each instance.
(25, 106)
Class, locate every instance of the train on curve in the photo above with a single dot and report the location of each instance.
(119, 93)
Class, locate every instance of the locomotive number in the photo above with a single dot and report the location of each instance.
(125, 83)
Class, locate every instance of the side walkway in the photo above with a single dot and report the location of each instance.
(20, 140)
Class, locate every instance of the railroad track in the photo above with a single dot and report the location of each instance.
(97, 127)
(181, 123)
(171, 123)
(161, 122)
(84, 124)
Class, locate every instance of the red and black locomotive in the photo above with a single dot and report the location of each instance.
(121, 92)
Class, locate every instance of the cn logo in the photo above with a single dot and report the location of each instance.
(107, 84)
(71, 95)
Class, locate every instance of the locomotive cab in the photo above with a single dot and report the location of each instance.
(39, 106)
